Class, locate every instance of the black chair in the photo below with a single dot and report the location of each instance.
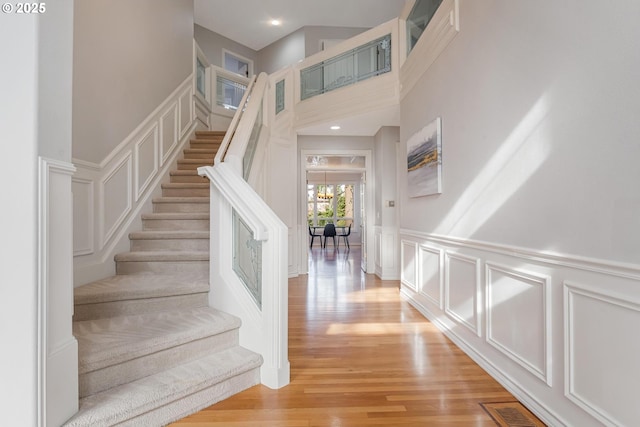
(329, 231)
(345, 236)
(313, 235)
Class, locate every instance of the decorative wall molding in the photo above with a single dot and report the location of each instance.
(115, 191)
(83, 203)
(519, 325)
(57, 347)
(168, 132)
(125, 182)
(408, 275)
(146, 160)
(463, 293)
(623, 270)
(601, 349)
(537, 316)
(431, 274)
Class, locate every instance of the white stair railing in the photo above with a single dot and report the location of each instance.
(249, 245)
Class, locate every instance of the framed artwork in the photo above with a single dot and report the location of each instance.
(424, 161)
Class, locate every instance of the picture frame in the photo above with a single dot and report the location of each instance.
(424, 161)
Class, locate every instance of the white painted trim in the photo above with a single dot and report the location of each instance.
(302, 204)
(440, 254)
(446, 326)
(49, 281)
(477, 328)
(106, 236)
(140, 189)
(185, 106)
(133, 135)
(544, 373)
(165, 155)
(570, 289)
(412, 247)
(263, 330)
(90, 232)
(623, 270)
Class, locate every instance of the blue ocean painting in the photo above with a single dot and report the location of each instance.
(424, 161)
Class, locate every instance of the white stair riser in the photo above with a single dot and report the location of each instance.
(131, 370)
(175, 224)
(162, 267)
(183, 207)
(199, 245)
(139, 306)
(186, 192)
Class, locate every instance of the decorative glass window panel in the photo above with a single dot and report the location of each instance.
(201, 73)
(247, 258)
(229, 93)
(361, 63)
(252, 145)
(279, 96)
(418, 19)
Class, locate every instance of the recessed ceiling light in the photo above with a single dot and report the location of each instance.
(276, 22)
(334, 127)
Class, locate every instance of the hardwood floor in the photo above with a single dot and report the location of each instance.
(360, 356)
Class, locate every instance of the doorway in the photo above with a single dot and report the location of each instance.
(332, 189)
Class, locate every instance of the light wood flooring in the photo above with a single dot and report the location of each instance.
(361, 356)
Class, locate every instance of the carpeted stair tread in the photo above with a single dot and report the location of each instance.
(184, 172)
(125, 287)
(169, 234)
(109, 341)
(172, 394)
(159, 256)
(182, 199)
(199, 151)
(206, 133)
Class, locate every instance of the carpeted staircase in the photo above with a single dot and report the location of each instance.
(151, 351)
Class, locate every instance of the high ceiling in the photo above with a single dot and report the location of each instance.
(248, 21)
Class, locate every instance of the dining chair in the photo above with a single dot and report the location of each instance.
(329, 231)
(313, 235)
(345, 235)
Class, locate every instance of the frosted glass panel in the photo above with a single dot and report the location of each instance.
(361, 63)
(229, 93)
(252, 146)
(418, 20)
(247, 258)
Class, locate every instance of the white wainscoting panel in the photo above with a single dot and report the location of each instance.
(168, 132)
(431, 274)
(561, 330)
(115, 197)
(83, 216)
(463, 290)
(124, 181)
(146, 160)
(602, 352)
(408, 253)
(185, 110)
(518, 317)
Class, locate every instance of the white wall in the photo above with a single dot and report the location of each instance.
(385, 217)
(537, 231)
(282, 53)
(313, 34)
(212, 44)
(18, 252)
(128, 57)
(39, 374)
